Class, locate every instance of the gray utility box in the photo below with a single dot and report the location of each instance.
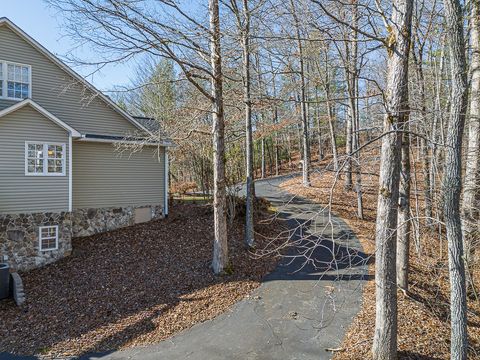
(4, 281)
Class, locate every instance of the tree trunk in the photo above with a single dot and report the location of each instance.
(425, 159)
(404, 225)
(319, 128)
(351, 53)
(330, 113)
(331, 128)
(437, 125)
(250, 185)
(471, 194)
(220, 246)
(303, 105)
(385, 339)
(348, 150)
(277, 157)
(275, 121)
(262, 150)
(354, 105)
(452, 178)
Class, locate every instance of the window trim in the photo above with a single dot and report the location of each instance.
(40, 238)
(4, 80)
(45, 158)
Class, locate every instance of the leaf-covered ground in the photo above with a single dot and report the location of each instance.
(423, 315)
(133, 286)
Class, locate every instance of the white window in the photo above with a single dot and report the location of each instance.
(15, 81)
(44, 159)
(48, 238)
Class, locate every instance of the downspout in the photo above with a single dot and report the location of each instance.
(70, 150)
(165, 207)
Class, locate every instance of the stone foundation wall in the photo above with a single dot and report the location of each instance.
(19, 239)
(19, 233)
(86, 222)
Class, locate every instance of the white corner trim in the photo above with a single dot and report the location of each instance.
(42, 111)
(166, 182)
(70, 164)
(54, 59)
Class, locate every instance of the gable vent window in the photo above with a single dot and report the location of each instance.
(15, 81)
(48, 238)
(42, 159)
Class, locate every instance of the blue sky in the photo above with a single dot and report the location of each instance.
(42, 23)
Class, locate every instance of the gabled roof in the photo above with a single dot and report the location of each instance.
(41, 110)
(58, 62)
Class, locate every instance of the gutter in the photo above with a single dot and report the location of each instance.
(124, 140)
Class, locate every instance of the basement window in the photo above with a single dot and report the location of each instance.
(48, 238)
(44, 159)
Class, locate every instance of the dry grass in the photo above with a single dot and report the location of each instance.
(423, 314)
(133, 286)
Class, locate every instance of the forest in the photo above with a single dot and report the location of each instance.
(375, 105)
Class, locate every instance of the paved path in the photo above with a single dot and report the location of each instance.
(294, 314)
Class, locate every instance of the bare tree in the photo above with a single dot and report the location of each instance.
(124, 29)
(404, 224)
(471, 206)
(220, 245)
(399, 32)
(243, 19)
(452, 178)
(303, 106)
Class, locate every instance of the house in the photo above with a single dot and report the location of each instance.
(61, 174)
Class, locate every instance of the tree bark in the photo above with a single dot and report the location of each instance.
(354, 105)
(404, 224)
(250, 186)
(425, 159)
(452, 178)
(331, 129)
(277, 155)
(319, 128)
(348, 150)
(303, 106)
(385, 339)
(471, 204)
(330, 112)
(262, 164)
(220, 246)
(437, 124)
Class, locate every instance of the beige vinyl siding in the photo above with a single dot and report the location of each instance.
(103, 177)
(54, 89)
(28, 194)
(4, 103)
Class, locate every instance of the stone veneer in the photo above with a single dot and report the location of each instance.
(88, 222)
(19, 233)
